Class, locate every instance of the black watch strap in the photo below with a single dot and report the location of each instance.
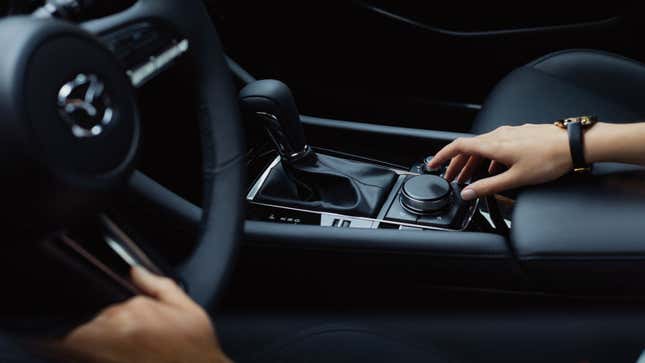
(576, 144)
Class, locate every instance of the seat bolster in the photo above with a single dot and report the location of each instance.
(530, 96)
(567, 83)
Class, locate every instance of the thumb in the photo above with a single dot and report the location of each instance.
(491, 185)
(157, 287)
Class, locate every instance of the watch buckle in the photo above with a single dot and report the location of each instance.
(583, 120)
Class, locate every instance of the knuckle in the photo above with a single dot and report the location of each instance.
(138, 302)
(167, 284)
(460, 142)
(121, 315)
(111, 312)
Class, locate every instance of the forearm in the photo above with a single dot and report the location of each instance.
(624, 143)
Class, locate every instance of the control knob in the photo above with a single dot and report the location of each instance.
(424, 194)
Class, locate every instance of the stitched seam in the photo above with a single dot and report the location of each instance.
(225, 165)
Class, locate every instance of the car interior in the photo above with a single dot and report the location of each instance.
(272, 159)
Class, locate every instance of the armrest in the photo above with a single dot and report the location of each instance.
(586, 234)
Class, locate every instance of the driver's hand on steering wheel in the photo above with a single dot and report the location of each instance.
(164, 326)
(533, 154)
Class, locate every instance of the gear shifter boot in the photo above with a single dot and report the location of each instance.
(327, 183)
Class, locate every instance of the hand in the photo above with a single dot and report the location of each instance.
(164, 326)
(533, 154)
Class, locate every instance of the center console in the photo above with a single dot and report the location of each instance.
(303, 185)
(417, 200)
(323, 190)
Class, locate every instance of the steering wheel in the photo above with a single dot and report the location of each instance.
(70, 130)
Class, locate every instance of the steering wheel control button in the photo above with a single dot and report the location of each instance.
(425, 194)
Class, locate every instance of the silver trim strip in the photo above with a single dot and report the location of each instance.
(121, 243)
(258, 184)
(116, 247)
(142, 74)
(91, 259)
(375, 221)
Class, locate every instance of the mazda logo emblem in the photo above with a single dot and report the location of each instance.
(85, 106)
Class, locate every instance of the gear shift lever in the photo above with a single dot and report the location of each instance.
(305, 179)
(271, 101)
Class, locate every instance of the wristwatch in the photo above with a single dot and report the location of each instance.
(575, 126)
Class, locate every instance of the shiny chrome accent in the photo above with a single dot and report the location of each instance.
(583, 120)
(85, 106)
(280, 140)
(92, 260)
(421, 207)
(376, 221)
(118, 242)
(142, 74)
(420, 204)
(487, 217)
(300, 154)
(46, 11)
(403, 172)
(260, 182)
(125, 247)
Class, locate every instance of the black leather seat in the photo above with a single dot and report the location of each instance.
(567, 83)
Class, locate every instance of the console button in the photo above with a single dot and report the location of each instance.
(425, 194)
(442, 220)
(432, 171)
(453, 217)
(398, 213)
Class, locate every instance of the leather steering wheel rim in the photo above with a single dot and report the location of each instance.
(205, 269)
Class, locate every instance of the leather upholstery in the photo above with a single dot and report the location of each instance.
(328, 183)
(577, 236)
(567, 83)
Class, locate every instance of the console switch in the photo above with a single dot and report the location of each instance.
(425, 194)
(427, 170)
(452, 217)
(399, 214)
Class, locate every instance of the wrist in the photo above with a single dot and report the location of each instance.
(597, 142)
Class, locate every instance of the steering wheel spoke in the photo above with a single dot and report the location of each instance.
(144, 46)
(71, 132)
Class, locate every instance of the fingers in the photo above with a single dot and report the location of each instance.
(448, 152)
(469, 169)
(160, 288)
(468, 146)
(491, 185)
(456, 164)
